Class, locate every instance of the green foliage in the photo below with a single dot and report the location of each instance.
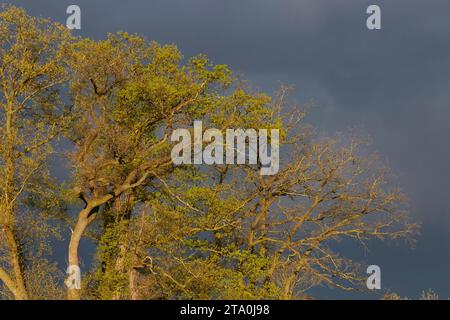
(110, 281)
(160, 231)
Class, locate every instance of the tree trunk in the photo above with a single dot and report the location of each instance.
(19, 283)
(133, 284)
(80, 227)
(9, 223)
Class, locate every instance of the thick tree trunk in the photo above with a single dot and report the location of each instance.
(123, 209)
(9, 223)
(133, 283)
(85, 217)
(20, 292)
(80, 227)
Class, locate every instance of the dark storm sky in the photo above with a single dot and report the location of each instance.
(393, 83)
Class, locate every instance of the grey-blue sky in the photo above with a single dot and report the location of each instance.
(393, 82)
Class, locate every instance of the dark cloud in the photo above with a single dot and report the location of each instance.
(394, 82)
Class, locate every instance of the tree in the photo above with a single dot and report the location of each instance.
(163, 231)
(128, 95)
(31, 117)
(226, 232)
(269, 236)
(426, 295)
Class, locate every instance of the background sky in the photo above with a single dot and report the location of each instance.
(391, 83)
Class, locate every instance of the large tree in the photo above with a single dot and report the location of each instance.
(164, 231)
(227, 232)
(128, 95)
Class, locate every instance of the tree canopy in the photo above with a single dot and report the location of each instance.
(106, 109)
